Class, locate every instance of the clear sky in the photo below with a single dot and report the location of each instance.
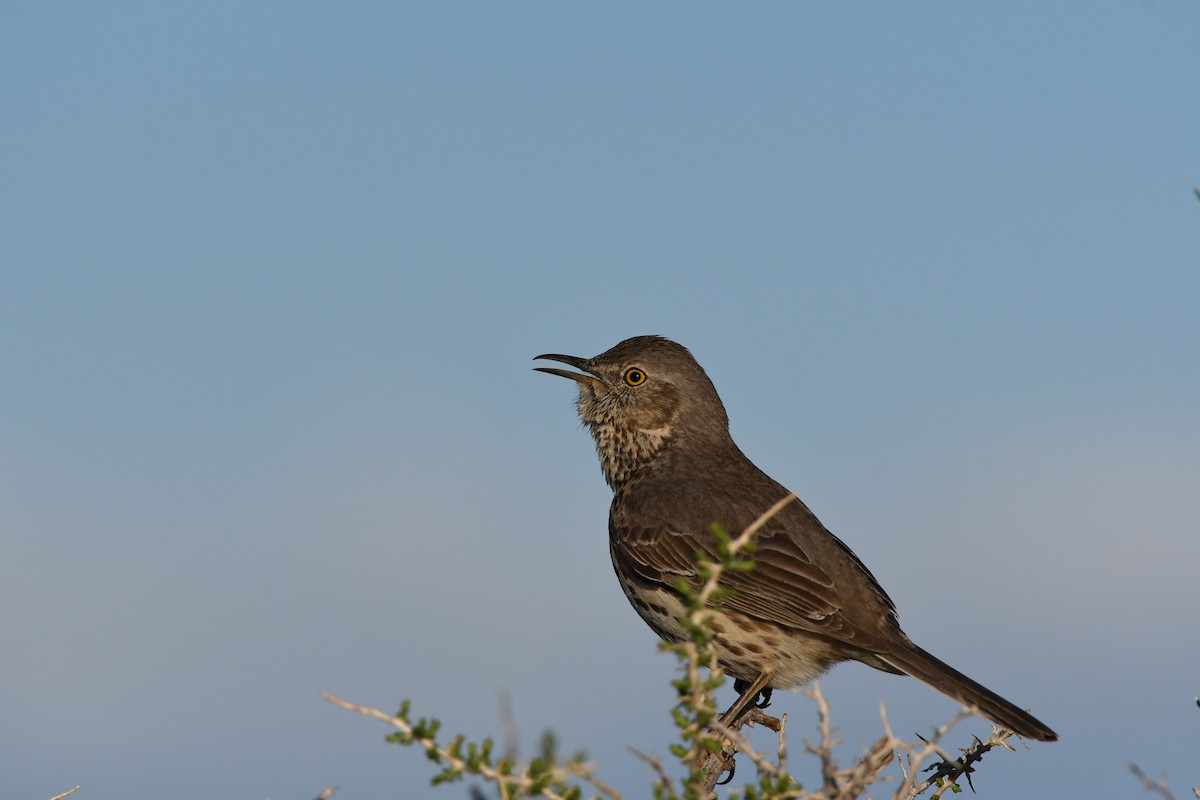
(271, 277)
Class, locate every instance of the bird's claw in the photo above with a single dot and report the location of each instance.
(761, 700)
(731, 769)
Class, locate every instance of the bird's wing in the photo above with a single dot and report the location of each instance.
(791, 584)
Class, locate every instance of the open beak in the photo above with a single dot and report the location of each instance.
(574, 361)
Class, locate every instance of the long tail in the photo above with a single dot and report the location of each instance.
(914, 661)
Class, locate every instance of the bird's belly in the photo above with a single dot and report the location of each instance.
(745, 647)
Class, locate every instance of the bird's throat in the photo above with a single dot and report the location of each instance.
(624, 451)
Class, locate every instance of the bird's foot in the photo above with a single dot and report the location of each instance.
(731, 767)
(762, 698)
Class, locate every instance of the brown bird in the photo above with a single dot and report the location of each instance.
(662, 435)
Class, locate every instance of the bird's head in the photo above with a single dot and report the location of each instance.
(639, 399)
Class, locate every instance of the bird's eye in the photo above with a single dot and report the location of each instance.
(634, 376)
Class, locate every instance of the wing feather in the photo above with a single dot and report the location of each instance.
(793, 583)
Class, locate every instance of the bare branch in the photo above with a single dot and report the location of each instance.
(738, 744)
(664, 780)
(587, 774)
(1159, 786)
(782, 755)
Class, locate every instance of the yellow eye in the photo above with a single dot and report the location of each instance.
(634, 376)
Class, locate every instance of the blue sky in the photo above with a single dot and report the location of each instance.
(271, 277)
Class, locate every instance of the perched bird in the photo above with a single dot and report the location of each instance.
(662, 435)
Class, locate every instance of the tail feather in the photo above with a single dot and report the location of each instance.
(941, 676)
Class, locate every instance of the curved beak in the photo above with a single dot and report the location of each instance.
(574, 361)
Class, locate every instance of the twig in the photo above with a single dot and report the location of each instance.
(67, 792)
(739, 744)
(825, 751)
(846, 784)
(916, 755)
(585, 773)
(855, 780)
(507, 783)
(782, 753)
(950, 769)
(664, 780)
(1158, 786)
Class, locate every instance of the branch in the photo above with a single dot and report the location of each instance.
(538, 778)
(947, 771)
(1157, 786)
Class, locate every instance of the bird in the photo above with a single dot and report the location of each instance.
(662, 435)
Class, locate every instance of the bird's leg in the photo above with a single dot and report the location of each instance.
(761, 700)
(748, 694)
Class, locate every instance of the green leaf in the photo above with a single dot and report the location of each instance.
(454, 749)
(446, 776)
